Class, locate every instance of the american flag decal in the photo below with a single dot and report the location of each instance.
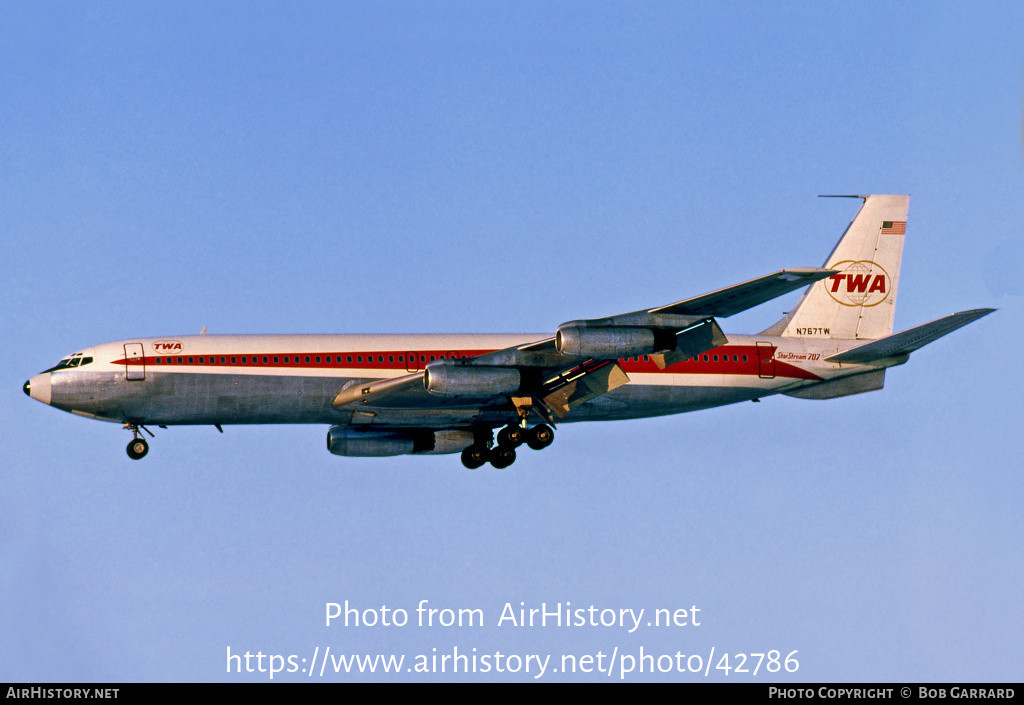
(894, 227)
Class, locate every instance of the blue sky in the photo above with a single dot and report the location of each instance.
(504, 167)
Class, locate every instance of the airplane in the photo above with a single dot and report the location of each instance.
(388, 395)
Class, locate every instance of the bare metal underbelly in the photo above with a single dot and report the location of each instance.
(184, 398)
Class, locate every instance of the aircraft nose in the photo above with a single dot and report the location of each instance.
(39, 387)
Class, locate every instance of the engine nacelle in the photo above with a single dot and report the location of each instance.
(369, 442)
(382, 442)
(470, 381)
(450, 441)
(605, 343)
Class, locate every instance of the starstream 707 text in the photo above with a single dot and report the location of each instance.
(615, 663)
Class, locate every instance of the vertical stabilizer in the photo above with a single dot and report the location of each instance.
(857, 303)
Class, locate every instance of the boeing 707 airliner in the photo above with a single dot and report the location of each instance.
(386, 395)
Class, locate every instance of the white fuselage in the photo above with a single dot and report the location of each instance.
(259, 379)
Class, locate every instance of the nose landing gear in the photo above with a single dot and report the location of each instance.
(137, 447)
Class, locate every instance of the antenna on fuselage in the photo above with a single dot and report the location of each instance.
(203, 331)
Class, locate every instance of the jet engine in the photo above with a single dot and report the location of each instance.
(607, 343)
(368, 443)
(477, 382)
(382, 442)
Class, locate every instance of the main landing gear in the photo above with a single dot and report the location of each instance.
(503, 454)
(137, 447)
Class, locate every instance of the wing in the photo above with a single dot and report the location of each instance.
(554, 375)
(683, 329)
(726, 302)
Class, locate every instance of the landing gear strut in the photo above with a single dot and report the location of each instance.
(137, 447)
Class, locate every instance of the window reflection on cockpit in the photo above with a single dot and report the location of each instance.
(76, 360)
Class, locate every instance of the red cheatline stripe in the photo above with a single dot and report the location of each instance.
(725, 365)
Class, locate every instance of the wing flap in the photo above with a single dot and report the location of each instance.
(581, 389)
(692, 342)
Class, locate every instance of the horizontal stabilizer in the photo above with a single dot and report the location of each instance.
(734, 299)
(910, 340)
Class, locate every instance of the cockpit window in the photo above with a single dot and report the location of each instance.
(76, 360)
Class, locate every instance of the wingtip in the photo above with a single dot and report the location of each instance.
(813, 273)
(976, 312)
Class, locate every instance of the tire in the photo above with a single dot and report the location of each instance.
(137, 448)
(502, 457)
(511, 436)
(474, 457)
(540, 436)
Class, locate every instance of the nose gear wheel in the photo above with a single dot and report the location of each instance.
(138, 446)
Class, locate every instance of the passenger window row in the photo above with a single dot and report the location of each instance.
(336, 359)
(705, 358)
(291, 359)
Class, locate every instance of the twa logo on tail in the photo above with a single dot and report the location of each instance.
(858, 283)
